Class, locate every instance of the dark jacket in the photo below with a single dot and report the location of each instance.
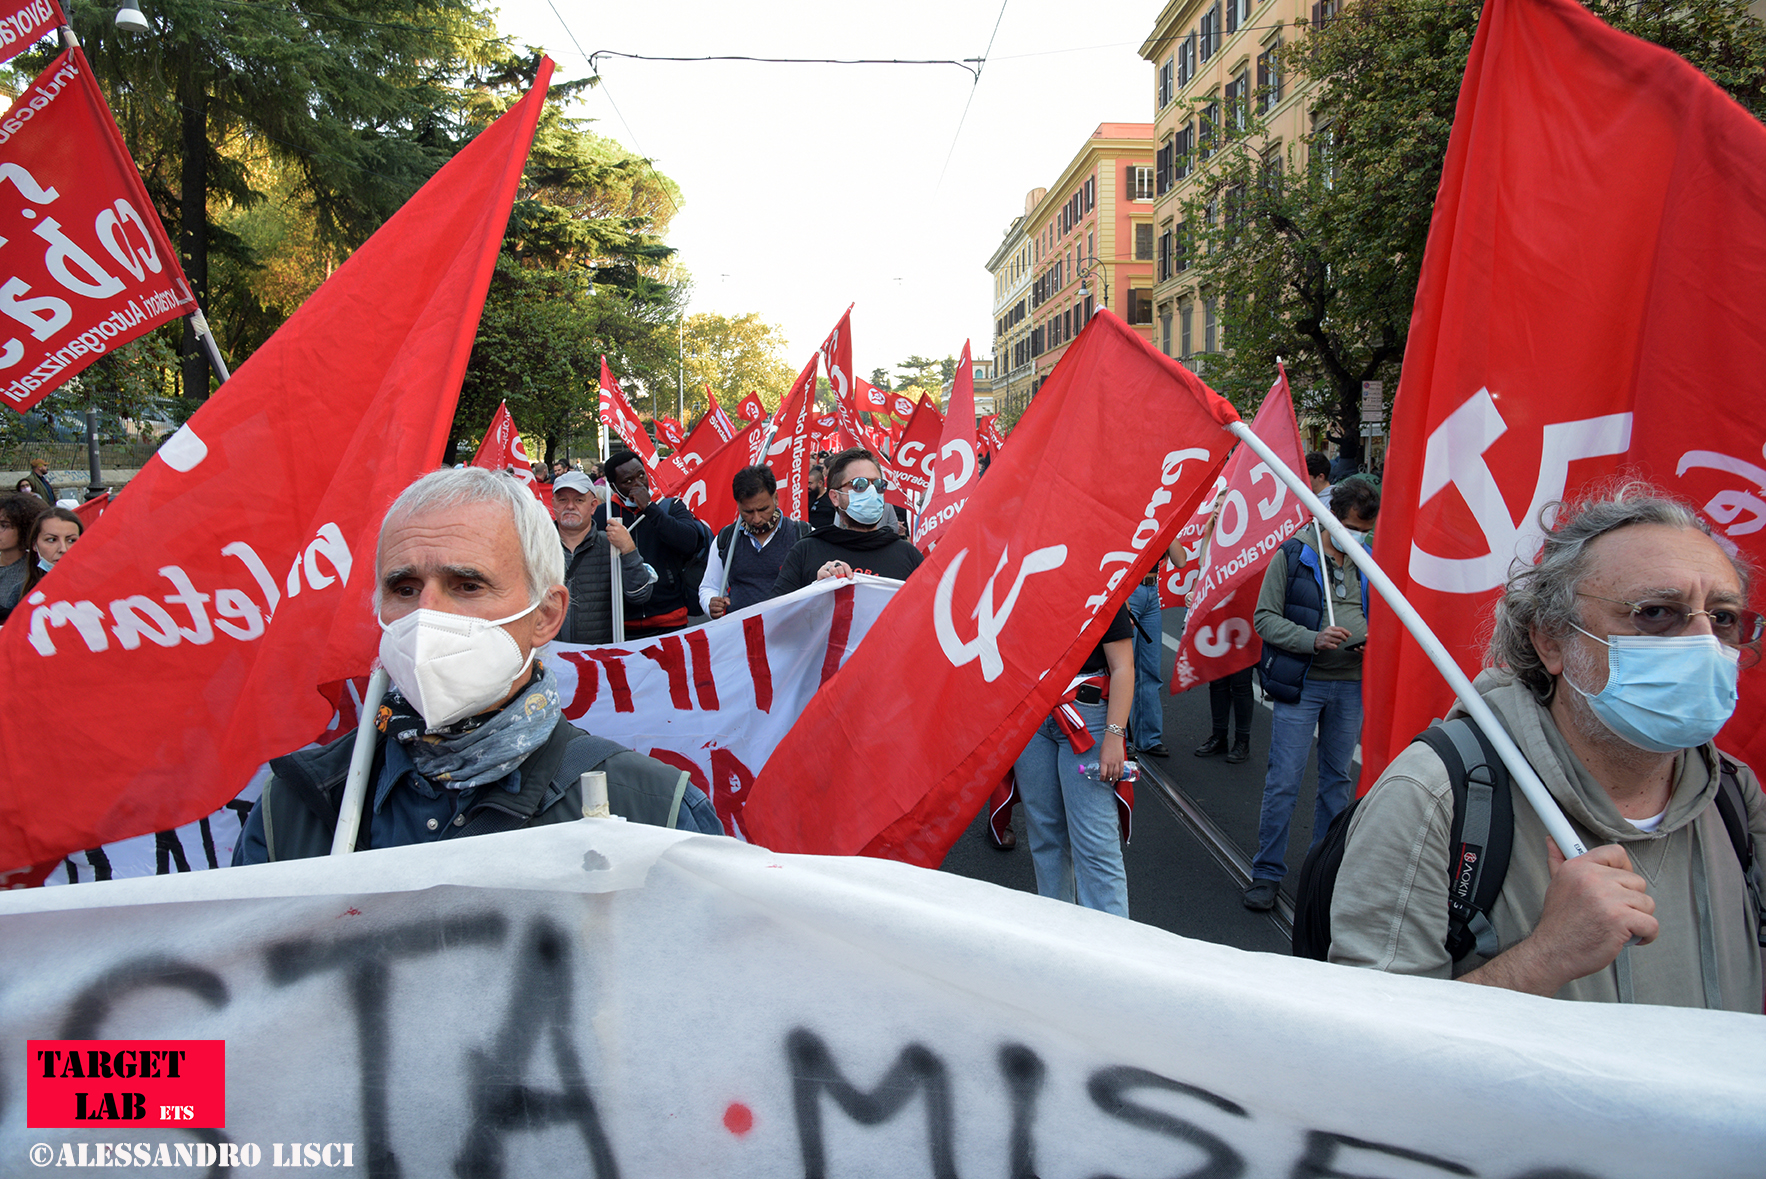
(751, 576)
(669, 538)
(1283, 672)
(589, 578)
(821, 513)
(879, 551)
(296, 816)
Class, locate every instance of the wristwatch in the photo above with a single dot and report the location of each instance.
(1118, 730)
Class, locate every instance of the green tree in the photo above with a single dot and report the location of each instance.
(359, 99)
(1315, 258)
(736, 355)
(880, 378)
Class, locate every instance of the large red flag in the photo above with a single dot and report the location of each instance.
(870, 398)
(751, 410)
(706, 490)
(1590, 302)
(955, 470)
(697, 448)
(1256, 514)
(619, 416)
(89, 264)
(720, 421)
(836, 355)
(1003, 613)
(206, 606)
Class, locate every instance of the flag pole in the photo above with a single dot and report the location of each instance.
(355, 787)
(1556, 825)
(1330, 610)
(616, 574)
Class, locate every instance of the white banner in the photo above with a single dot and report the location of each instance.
(713, 701)
(603, 998)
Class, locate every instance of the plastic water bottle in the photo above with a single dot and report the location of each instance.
(1131, 771)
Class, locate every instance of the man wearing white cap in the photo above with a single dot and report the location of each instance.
(589, 618)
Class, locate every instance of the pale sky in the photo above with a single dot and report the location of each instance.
(808, 187)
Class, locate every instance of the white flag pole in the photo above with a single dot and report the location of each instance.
(355, 787)
(1330, 579)
(766, 442)
(617, 575)
(1556, 825)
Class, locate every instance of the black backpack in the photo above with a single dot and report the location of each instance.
(1480, 841)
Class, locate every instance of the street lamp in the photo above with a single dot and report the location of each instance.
(129, 17)
(1101, 269)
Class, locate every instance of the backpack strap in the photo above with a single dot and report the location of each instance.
(725, 539)
(1734, 811)
(1482, 835)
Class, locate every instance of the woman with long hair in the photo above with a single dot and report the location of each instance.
(51, 537)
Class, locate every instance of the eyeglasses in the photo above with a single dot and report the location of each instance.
(1662, 616)
(861, 483)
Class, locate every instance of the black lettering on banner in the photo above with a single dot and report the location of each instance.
(1322, 1146)
(1108, 1087)
(89, 1009)
(813, 1070)
(367, 960)
(540, 1002)
(1024, 1072)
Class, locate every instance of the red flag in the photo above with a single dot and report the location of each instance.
(836, 355)
(790, 455)
(955, 471)
(988, 433)
(910, 470)
(720, 421)
(619, 416)
(706, 488)
(1002, 614)
(671, 432)
(695, 449)
(23, 23)
(1601, 185)
(902, 407)
(205, 617)
(81, 239)
(1256, 513)
(751, 410)
(870, 398)
(503, 450)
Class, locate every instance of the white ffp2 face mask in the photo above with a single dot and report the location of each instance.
(451, 666)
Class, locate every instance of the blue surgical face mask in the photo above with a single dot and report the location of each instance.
(864, 507)
(1665, 693)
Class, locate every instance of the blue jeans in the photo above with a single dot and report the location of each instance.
(1334, 708)
(1146, 720)
(1075, 839)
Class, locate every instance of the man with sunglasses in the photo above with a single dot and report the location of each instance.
(1612, 663)
(861, 539)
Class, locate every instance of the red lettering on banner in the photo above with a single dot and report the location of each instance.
(588, 684)
(754, 634)
(671, 657)
(838, 632)
(613, 659)
(730, 783)
(703, 681)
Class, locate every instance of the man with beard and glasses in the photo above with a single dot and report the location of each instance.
(857, 541)
(1612, 663)
(471, 739)
(753, 548)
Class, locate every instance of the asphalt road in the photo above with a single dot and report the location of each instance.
(1195, 830)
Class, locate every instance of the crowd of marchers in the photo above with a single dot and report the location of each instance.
(1612, 663)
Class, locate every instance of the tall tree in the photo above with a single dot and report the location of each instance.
(736, 355)
(1313, 256)
(360, 99)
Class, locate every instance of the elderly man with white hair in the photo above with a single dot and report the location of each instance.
(472, 738)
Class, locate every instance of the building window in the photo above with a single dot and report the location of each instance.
(1165, 328)
(1165, 271)
(1269, 76)
(1183, 152)
(1324, 12)
(1208, 325)
(1238, 14)
(1140, 182)
(1238, 103)
(1208, 130)
(1210, 43)
(1140, 307)
(1143, 241)
(1186, 61)
(1091, 193)
(1167, 82)
(1183, 327)
(1090, 249)
(1180, 248)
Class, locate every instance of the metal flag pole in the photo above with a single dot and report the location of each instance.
(766, 442)
(355, 787)
(617, 575)
(1556, 825)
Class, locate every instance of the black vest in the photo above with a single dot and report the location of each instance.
(752, 573)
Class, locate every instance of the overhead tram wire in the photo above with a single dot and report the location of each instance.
(971, 102)
(971, 64)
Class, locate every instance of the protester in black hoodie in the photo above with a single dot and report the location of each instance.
(855, 543)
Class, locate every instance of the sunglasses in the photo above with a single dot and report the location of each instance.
(1659, 616)
(861, 483)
